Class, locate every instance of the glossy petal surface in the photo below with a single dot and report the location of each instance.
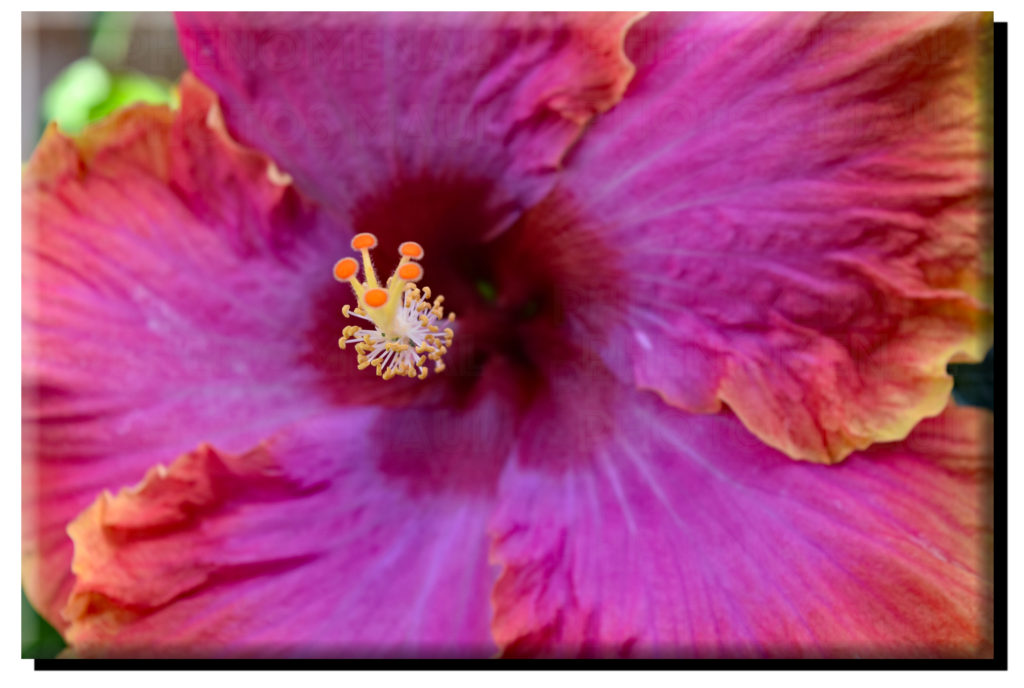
(684, 535)
(800, 205)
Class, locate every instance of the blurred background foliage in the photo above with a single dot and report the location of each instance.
(78, 67)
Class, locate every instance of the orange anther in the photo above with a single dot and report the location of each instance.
(410, 249)
(410, 272)
(345, 268)
(364, 240)
(375, 298)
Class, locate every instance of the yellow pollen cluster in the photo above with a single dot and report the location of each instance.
(406, 325)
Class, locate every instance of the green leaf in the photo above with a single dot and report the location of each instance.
(127, 89)
(83, 85)
(86, 91)
(39, 640)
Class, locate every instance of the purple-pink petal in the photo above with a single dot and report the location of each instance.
(780, 226)
(301, 546)
(166, 273)
(684, 535)
(350, 104)
(799, 202)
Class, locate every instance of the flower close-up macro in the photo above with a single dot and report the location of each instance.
(518, 335)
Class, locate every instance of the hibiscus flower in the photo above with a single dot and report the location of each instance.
(708, 273)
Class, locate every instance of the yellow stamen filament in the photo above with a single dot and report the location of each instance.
(406, 324)
(363, 243)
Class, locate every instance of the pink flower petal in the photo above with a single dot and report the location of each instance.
(800, 205)
(167, 276)
(348, 103)
(301, 546)
(683, 535)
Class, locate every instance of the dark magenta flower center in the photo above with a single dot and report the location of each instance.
(532, 306)
(518, 297)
